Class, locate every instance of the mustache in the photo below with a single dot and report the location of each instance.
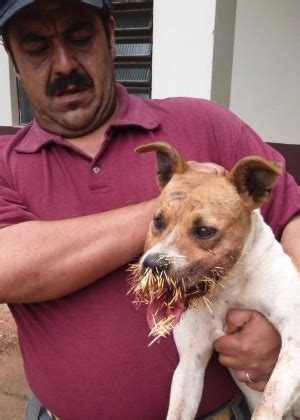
(62, 82)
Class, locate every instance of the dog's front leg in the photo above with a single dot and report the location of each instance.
(187, 386)
(194, 344)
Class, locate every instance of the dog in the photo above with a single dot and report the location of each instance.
(208, 250)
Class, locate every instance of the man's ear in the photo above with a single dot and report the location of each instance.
(254, 179)
(168, 161)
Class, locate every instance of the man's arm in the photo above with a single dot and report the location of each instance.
(290, 240)
(46, 260)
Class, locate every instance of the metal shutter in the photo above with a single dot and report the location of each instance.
(134, 27)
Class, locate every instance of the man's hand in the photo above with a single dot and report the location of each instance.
(209, 167)
(250, 348)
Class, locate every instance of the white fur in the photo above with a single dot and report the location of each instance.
(263, 279)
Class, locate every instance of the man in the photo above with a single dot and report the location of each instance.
(75, 205)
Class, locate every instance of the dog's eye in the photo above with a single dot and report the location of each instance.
(204, 232)
(158, 223)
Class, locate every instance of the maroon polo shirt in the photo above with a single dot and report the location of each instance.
(86, 355)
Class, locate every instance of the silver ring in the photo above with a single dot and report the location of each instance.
(249, 379)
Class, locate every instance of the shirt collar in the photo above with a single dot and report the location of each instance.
(132, 111)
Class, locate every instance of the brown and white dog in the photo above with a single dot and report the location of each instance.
(209, 250)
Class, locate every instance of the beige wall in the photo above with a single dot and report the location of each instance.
(265, 89)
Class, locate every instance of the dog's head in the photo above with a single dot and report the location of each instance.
(198, 230)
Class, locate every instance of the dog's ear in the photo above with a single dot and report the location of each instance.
(254, 179)
(168, 161)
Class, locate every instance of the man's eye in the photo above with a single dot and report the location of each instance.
(80, 39)
(37, 52)
(204, 232)
(158, 223)
(36, 49)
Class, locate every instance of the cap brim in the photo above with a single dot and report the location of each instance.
(9, 10)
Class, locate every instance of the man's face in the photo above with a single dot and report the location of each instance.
(66, 65)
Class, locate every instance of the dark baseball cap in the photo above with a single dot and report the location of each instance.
(8, 8)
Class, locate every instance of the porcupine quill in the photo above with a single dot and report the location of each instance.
(148, 287)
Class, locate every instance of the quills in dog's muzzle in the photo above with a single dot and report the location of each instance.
(163, 295)
(167, 298)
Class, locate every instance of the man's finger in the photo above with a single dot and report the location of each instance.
(228, 345)
(238, 363)
(258, 386)
(250, 380)
(249, 376)
(230, 362)
(236, 319)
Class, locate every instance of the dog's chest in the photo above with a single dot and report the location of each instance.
(206, 322)
(201, 326)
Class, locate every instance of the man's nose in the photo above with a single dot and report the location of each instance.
(63, 60)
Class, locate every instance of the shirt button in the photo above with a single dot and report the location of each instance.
(96, 169)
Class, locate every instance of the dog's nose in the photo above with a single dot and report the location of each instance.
(158, 263)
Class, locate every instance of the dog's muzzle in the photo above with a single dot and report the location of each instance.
(157, 263)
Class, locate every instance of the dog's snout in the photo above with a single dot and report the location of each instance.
(157, 263)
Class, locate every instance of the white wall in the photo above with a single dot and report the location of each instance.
(5, 98)
(266, 68)
(183, 40)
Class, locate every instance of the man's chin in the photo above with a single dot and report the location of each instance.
(74, 123)
(77, 123)
(69, 128)
(78, 120)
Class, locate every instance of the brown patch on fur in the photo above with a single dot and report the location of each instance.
(178, 195)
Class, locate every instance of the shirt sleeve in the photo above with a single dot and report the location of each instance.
(285, 201)
(12, 208)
